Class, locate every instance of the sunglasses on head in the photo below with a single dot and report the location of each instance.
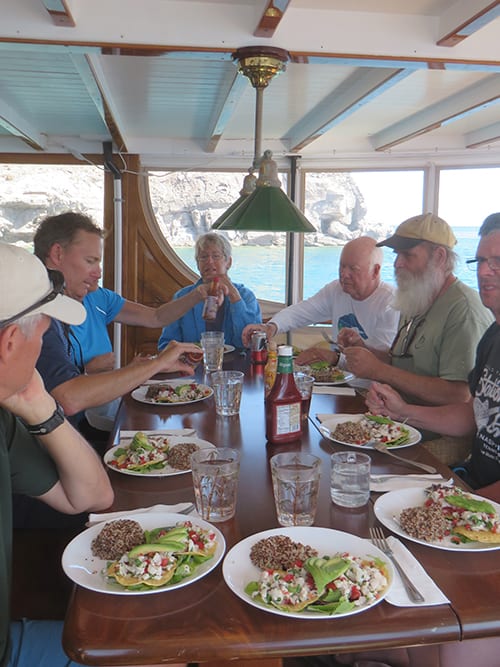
(57, 280)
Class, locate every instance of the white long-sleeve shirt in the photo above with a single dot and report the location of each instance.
(374, 318)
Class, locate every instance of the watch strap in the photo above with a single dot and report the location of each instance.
(49, 425)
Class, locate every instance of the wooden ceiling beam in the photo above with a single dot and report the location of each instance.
(226, 110)
(59, 13)
(12, 121)
(270, 19)
(483, 136)
(452, 108)
(357, 90)
(464, 18)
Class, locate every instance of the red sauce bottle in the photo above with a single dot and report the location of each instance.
(211, 305)
(284, 402)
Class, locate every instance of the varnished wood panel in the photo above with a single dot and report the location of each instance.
(148, 276)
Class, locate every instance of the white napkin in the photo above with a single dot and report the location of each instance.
(334, 391)
(125, 514)
(418, 576)
(382, 483)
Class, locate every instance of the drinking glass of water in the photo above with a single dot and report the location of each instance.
(350, 480)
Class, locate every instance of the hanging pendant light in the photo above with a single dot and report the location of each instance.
(267, 207)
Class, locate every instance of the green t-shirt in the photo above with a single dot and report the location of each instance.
(444, 340)
(26, 468)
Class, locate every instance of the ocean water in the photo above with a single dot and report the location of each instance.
(263, 268)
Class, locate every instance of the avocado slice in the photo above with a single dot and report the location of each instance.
(169, 547)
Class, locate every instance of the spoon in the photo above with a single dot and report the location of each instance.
(380, 447)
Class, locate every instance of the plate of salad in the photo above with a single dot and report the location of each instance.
(441, 516)
(154, 454)
(308, 572)
(325, 374)
(363, 430)
(173, 392)
(170, 552)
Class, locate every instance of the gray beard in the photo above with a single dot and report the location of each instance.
(416, 293)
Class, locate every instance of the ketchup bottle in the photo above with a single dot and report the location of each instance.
(211, 305)
(284, 402)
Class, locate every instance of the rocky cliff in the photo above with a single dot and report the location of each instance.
(185, 203)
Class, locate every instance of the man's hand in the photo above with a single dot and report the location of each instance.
(350, 338)
(317, 354)
(101, 363)
(32, 403)
(362, 362)
(383, 400)
(270, 330)
(173, 358)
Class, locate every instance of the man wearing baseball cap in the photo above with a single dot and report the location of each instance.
(41, 454)
(441, 321)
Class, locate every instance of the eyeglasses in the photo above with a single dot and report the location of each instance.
(57, 280)
(216, 257)
(408, 337)
(492, 262)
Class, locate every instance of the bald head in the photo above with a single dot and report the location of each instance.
(359, 269)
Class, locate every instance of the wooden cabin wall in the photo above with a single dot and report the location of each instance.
(148, 276)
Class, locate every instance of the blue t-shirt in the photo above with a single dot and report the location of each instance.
(91, 338)
(55, 364)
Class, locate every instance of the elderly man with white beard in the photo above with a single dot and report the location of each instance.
(441, 321)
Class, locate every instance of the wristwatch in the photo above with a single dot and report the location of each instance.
(49, 425)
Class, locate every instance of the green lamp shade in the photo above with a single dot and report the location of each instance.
(267, 209)
(217, 224)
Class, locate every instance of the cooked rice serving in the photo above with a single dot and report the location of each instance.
(352, 432)
(179, 456)
(116, 538)
(279, 552)
(424, 523)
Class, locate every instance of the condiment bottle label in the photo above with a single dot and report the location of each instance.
(288, 418)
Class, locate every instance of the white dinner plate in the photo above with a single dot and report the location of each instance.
(347, 378)
(167, 470)
(86, 570)
(139, 394)
(228, 349)
(388, 507)
(238, 570)
(328, 427)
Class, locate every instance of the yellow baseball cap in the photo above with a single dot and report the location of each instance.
(426, 227)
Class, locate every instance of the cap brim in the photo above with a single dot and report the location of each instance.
(65, 309)
(399, 242)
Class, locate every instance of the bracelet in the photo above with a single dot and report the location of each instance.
(49, 425)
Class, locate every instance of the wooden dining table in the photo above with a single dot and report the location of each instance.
(206, 621)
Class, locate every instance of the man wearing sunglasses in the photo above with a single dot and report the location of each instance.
(441, 321)
(41, 454)
(480, 415)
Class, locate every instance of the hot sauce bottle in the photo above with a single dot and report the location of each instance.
(271, 367)
(284, 402)
(211, 305)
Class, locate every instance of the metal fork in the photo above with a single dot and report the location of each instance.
(333, 343)
(378, 539)
(380, 447)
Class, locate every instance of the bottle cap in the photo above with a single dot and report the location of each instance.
(285, 351)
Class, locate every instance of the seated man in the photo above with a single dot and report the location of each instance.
(239, 307)
(358, 299)
(441, 319)
(42, 455)
(72, 243)
(478, 416)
